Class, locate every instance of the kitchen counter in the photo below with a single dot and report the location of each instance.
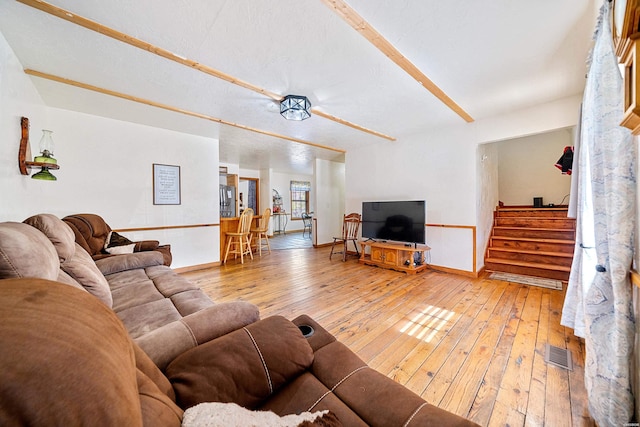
(231, 225)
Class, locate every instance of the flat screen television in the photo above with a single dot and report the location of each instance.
(400, 221)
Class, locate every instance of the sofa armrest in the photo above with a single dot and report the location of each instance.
(146, 245)
(319, 337)
(374, 397)
(244, 367)
(117, 263)
(164, 344)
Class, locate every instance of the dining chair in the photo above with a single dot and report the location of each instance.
(306, 220)
(350, 227)
(239, 243)
(260, 232)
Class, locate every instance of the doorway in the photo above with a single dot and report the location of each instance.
(248, 196)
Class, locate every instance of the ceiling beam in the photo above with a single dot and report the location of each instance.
(358, 23)
(320, 113)
(140, 44)
(174, 109)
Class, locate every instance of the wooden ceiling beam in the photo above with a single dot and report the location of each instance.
(321, 113)
(175, 109)
(358, 23)
(140, 44)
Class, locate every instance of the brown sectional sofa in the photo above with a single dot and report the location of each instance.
(160, 347)
(164, 313)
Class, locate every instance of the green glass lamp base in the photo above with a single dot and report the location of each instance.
(44, 174)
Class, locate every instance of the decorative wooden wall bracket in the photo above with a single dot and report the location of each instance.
(24, 152)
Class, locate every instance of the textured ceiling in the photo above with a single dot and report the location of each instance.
(489, 57)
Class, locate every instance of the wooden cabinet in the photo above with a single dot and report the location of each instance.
(395, 256)
(626, 39)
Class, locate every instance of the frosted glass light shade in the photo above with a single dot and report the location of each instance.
(46, 143)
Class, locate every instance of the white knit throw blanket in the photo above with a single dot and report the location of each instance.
(214, 414)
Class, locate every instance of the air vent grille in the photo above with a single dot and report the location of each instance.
(559, 357)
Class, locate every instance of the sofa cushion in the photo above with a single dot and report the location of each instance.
(20, 245)
(116, 264)
(307, 392)
(191, 301)
(144, 318)
(83, 269)
(244, 367)
(167, 282)
(57, 232)
(74, 260)
(71, 362)
(166, 343)
(90, 230)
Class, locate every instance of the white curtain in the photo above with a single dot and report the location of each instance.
(598, 304)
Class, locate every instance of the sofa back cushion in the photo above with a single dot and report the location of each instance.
(26, 252)
(74, 260)
(91, 231)
(68, 360)
(83, 269)
(57, 232)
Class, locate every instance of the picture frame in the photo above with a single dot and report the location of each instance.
(166, 184)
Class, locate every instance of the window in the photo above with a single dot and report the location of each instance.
(299, 198)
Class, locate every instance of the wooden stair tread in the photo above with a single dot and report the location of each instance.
(536, 240)
(522, 227)
(530, 252)
(523, 240)
(558, 218)
(528, 264)
(530, 208)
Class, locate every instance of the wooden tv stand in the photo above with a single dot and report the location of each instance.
(394, 256)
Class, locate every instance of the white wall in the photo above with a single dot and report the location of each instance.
(526, 169)
(329, 207)
(106, 168)
(487, 199)
(443, 167)
(438, 168)
(18, 98)
(282, 182)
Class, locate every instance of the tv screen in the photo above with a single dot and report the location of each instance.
(401, 221)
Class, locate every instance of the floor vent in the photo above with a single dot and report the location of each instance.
(559, 357)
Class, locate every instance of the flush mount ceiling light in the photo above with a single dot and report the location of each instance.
(295, 107)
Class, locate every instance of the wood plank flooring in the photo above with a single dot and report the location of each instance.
(472, 346)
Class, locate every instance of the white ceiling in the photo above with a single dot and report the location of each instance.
(490, 57)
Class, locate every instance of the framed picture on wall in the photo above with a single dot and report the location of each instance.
(166, 184)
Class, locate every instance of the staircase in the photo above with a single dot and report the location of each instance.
(532, 241)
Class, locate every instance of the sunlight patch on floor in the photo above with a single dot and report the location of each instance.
(426, 324)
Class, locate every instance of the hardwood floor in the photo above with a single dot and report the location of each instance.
(291, 240)
(472, 346)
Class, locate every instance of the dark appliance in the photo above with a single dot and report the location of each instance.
(537, 202)
(227, 201)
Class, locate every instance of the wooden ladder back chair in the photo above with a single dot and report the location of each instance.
(261, 232)
(350, 227)
(239, 243)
